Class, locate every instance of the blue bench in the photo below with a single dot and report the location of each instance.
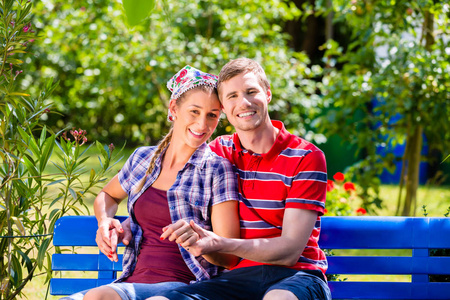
(421, 235)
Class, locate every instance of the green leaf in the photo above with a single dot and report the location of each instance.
(42, 252)
(26, 259)
(17, 275)
(19, 225)
(47, 152)
(18, 94)
(102, 150)
(43, 136)
(31, 166)
(92, 175)
(73, 193)
(137, 10)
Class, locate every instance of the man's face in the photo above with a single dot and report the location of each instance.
(245, 101)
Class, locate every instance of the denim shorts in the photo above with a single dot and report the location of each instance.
(134, 291)
(253, 283)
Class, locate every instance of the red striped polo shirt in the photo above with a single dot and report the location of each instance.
(291, 175)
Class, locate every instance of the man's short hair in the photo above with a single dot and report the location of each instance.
(243, 66)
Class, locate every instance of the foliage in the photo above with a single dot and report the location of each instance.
(137, 10)
(31, 198)
(343, 198)
(391, 85)
(113, 78)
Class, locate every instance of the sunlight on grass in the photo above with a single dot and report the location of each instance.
(436, 199)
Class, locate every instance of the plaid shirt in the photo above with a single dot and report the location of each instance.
(205, 180)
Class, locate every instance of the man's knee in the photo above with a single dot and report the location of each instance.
(279, 295)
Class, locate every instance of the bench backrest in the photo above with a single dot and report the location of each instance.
(418, 234)
(80, 231)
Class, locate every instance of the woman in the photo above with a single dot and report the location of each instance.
(179, 180)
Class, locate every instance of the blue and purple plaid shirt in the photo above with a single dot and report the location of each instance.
(205, 180)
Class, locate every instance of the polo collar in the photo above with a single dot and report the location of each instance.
(281, 142)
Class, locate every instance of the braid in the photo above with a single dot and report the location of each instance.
(161, 146)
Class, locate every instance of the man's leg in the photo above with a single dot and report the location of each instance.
(301, 286)
(243, 283)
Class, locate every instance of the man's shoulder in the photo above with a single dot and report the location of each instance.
(300, 144)
(222, 143)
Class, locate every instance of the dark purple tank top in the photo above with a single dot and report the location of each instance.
(158, 261)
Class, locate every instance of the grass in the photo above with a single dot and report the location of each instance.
(435, 198)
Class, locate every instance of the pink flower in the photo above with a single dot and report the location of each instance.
(330, 185)
(361, 211)
(339, 177)
(349, 186)
(26, 28)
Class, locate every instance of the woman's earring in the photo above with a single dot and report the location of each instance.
(174, 118)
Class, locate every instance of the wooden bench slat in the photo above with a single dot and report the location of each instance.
(388, 265)
(84, 262)
(391, 233)
(70, 232)
(68, 286)
(389, 290)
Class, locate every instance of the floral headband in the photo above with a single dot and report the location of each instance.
(187, 79)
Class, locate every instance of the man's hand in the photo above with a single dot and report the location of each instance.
(110, 232)
(193, 238)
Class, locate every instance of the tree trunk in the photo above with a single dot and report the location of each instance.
(412, 158)
(414, 141)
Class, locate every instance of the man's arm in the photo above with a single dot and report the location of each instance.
(284, 250)
(225, 223)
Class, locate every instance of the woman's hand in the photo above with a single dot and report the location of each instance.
(180, 232)
(111, 232)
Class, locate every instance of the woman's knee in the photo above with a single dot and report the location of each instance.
(102, 292)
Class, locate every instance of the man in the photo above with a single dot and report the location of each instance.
(282, 184)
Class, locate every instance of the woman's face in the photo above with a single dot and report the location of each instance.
(196, 117)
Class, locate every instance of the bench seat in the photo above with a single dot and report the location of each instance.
(418, 235)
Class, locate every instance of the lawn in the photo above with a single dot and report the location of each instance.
(436, 199)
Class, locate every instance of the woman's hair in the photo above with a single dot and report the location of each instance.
(166, 140)
(243, 65)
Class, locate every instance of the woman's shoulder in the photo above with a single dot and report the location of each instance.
(142, 153)
(217, 160)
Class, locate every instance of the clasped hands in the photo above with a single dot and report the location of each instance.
(190, 236)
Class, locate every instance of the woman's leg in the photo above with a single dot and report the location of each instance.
(102, 292)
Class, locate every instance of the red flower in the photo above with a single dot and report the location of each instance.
(325, 211)
(349, 186)
(339, 176)
(361, 211)
(330, 185)
(182, 74)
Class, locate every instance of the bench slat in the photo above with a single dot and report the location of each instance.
(84, 262)
(389, 290)
(68, 286)
(391, 233)
(388, 265)
(69, 231)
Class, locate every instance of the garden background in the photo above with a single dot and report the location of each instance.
(82, 83)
